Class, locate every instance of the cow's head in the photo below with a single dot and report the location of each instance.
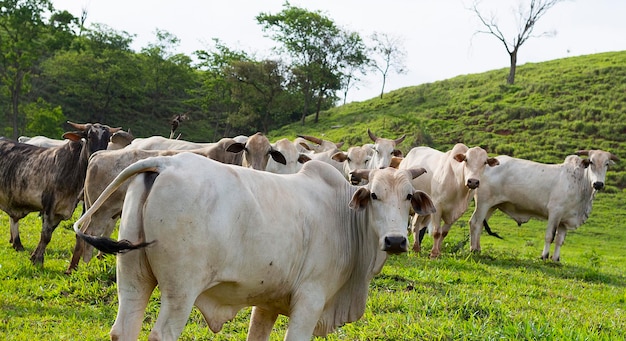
(388, 197)
(475, 160)
(293, 158)
(355, 158)
(257, 151)
(319, 145)
(384, 150)
(96, 135)
(597, 163)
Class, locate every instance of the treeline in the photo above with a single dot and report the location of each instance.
(53, 69)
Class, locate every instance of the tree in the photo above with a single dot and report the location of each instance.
(526, 18)
(315, 45)
(214, 95)
(262, 89)
(166, 76)
(98, 80)
(387, 53)
(23, 34)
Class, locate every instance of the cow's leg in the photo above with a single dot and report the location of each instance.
(261, 324)
(558, 242)
(176, 305)
(49, 224)
(438, 235)
(550, 234)
(306, 309)
(480, 215)
(135, 284)
(443, 232)
(418, 226)
(79, 248)
(14, 223)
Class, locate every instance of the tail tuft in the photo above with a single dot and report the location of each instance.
(111, 246)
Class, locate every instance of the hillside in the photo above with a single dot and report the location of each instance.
(554, 109)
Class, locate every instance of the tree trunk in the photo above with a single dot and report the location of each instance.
(513, 57)
(382, 90)
(317, 109)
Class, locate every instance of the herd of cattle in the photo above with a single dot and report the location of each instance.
(297, 228)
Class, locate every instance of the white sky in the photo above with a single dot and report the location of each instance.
(438, 35)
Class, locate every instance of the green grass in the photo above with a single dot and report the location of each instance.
(554, 109)
(506, 292)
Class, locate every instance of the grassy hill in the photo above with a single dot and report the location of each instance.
(554, 109)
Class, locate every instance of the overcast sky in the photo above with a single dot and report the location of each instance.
(438, 35)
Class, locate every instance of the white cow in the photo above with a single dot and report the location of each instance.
(307, 247)
(42, 141)
(257, 151)
(318, 145)
(104, 166)
(384, 150)
(358, 157)
(293, 159)
(562, 194)
(120, 140)
(450, 180)
(164, 143)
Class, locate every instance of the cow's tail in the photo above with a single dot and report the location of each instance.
(488, 230)
(108, 245)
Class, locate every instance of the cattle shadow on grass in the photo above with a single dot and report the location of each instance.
(549, 268)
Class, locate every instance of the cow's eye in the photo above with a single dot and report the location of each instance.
(374, 196)
(348, 159)
(409, 196)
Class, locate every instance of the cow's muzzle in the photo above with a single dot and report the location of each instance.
(355, 180)
(395, 244)
(473, 183)
(598, 185)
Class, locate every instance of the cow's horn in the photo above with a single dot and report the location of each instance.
(312, 139)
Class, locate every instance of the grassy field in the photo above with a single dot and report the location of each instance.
(504, 293)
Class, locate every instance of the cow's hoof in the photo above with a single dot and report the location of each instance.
(37, 261)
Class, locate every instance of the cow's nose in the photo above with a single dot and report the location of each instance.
(598, 185)
(354, 180)
(395, 244)
(473, 183)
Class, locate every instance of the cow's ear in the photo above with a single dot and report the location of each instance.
(397, 153)
(278, 156)
(236, 147)
(302, 158)
(305, 146)
(422, 204)
(459, 157)
(416, 171)
(339, 156)
(360, 198)
(585, 163)
(73, 136)
(492, 161)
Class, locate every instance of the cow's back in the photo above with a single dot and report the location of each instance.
(29, 185)
(425, 157)
(519, 187)
(239, 226)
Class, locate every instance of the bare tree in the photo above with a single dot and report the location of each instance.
(526, 19)
(387, 52)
